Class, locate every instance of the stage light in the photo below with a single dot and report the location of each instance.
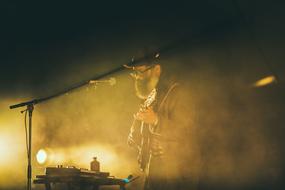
(48, 156)
(265, 81)
(41, 156)
(79, 156)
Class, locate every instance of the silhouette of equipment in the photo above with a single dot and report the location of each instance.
(78, 177)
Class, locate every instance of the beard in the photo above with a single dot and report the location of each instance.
(144, 86)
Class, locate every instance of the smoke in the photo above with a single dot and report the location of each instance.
(234, 141)
(12, 146)
(233, 130)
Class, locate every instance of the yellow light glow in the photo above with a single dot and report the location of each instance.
(265, 81)
(12, 152)
(41, 156)
(57, 157)
(4, 148)
(9, 148)
(81, 156)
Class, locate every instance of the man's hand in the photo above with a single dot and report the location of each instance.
(148, 116)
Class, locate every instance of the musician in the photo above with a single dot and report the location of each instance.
(163, 125)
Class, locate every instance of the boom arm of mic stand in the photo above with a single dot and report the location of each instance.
(36, 101)
(32, 102)
(30, 108)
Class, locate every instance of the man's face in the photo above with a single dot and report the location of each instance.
(146, 79)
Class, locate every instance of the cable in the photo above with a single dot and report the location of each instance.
(26, 133)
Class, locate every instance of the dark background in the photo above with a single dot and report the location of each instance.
(45, 39)
(219, 47)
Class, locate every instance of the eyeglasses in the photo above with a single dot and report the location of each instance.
(136, 72)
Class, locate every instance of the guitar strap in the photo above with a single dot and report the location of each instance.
(166, 95)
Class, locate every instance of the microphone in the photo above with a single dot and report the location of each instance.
(111, 81)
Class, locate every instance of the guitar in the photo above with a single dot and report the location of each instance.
(147, 131)
(144, 153)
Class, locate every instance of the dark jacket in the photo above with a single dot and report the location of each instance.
(174, 169)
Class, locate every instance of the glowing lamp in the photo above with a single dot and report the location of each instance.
(265, 81)
(41, 156)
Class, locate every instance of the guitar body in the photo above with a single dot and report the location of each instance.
(144, 153)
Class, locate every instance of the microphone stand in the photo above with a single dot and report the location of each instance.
(31, 104)
(30, 109)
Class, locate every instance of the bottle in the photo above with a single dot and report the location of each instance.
(95, 165)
